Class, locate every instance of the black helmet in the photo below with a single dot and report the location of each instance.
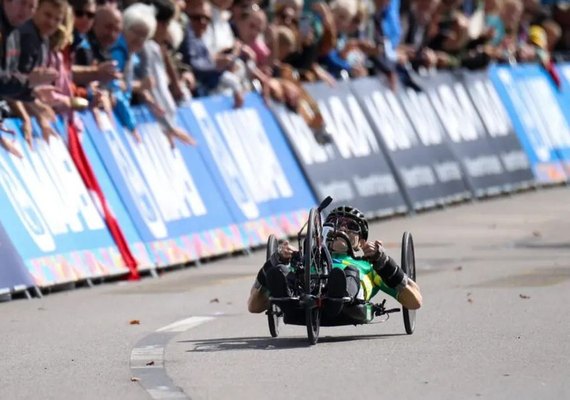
(352, 213)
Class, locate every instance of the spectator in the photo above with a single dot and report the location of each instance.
(153, 56)
(382, 53)
(348, 56)
(59, 58)
(211, 76)
(561, 15)
(286, 86)
(107, 27)
(316, 36)
(139, 25)
(251, 26)
(493, 21)
(511, 13)
(219, 37)
(28, 49)
(553, 34)
(539, 40)
(14, 85)
(14, 13)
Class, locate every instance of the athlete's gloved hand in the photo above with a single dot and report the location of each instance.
(384, 266)
(285, 252)
(374, 252)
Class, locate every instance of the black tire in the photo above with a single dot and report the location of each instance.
(274, 312)
(272, 244)
(312, 265)
(273, 315)
(409, 267)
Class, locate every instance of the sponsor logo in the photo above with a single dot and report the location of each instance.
(244, 156)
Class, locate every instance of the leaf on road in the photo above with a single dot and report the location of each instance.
(135, 379)
(524, 296)
(150, 363)
(536, 234)
(216, 300)
(134, 322)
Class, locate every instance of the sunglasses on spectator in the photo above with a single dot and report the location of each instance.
(83, 13)
(204, 19)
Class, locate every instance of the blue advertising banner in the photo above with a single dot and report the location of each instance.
(466, 135)
(423, 162)
(50, 217)
(499, 128)
(168, 192)
(353, 168)
(563, 96)
(536, 117)
(255, 172)
(13, 272)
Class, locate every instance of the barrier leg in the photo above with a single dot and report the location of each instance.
(38, 292)
(5, 295)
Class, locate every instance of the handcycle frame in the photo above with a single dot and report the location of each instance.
(312, 266)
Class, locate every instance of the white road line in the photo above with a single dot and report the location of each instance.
(147, 359)
(185, 324)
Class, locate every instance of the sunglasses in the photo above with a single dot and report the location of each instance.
(83, 13)
(204, 19)
(348, 224)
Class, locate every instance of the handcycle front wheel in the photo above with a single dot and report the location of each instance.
(409, 267)
(273, 313)
(312, 264)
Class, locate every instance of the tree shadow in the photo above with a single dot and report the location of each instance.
(268, 343)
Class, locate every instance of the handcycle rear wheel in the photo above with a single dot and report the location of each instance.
(409, 266)
(312, 264)
(273, 313)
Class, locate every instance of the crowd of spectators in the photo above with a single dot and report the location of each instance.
(58, 57)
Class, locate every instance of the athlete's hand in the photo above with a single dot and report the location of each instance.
(373, 250)
(285, 251)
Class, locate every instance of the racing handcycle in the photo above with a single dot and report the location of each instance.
(311, 267)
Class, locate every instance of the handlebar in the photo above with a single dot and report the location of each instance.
(325, 203)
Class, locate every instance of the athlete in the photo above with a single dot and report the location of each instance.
(359, 279)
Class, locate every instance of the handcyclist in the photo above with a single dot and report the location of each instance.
(359, 279)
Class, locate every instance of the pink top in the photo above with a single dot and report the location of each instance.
(261, 51)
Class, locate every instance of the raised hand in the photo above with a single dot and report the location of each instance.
(285, 251)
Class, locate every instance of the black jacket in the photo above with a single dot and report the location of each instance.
(13, 85)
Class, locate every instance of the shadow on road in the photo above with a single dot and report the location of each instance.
(265, 343)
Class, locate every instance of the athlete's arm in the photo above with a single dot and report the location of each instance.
(398, 284)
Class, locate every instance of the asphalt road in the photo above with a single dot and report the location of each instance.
(495, 277)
